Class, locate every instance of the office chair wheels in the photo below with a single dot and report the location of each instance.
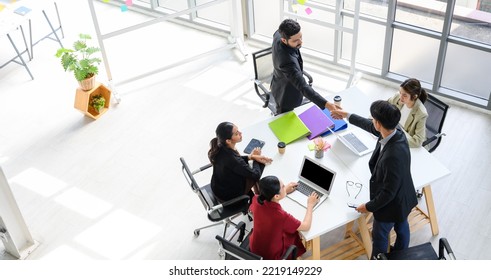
(249, 216)
(196, 232)
(221, 253)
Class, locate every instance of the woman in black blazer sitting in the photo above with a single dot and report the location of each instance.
(232, 174)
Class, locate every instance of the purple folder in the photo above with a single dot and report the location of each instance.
(316, 121)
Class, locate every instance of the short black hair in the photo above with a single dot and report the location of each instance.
(387, 114)
(288, 28)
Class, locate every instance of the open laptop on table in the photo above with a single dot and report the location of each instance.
(313, 177)
(356, 142)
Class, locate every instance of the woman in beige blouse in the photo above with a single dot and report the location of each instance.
(409, 100)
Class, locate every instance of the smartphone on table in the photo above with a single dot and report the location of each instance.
(254, 143)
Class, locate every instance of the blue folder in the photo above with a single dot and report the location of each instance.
(338, 124)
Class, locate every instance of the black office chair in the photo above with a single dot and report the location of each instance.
(240, 250)
(422, 252)
(218, 213)
(437, 111)
(263, 73)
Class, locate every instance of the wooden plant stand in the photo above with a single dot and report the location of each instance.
(82, 100)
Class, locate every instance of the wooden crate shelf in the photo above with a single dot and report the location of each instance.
(350, 248)
(82, 100)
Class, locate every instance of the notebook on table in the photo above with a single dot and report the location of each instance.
(313, 176)
(289, 127)
(316, 121)
(358, 143)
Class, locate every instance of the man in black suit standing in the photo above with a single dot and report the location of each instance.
(288, 85)
(392, 194)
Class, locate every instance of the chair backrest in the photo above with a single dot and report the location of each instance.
(235, 252)
(421, 252)
(207, 200)
(263, 74)
(437, 111)
(263, 66)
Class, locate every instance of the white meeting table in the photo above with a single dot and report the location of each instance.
(334, 212)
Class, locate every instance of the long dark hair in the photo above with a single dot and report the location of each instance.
(223, 133)
(269, 186)
(413, 87)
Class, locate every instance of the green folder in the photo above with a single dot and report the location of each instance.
(289, 127)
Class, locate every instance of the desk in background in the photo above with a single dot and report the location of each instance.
(334, 212)
(11, 22)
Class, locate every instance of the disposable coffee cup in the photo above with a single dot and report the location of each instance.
(337, 100)
(281, 147)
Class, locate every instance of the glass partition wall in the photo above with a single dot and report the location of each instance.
(445, 44)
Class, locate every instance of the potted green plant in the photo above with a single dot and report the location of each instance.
(81, 61)
(97, 102)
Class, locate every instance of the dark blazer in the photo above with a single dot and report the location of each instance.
(288, 85)
(230, 174)
(392, 193)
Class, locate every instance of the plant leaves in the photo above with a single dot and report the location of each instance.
(80, 60)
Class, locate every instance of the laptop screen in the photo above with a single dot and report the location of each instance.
(317, 174)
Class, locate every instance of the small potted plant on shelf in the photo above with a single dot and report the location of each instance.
(97, 102)
(320, 146)
(81, 61)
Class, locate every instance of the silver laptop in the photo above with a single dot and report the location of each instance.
(355, 141)
(313, 177)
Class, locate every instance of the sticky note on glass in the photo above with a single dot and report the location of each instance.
(129, 2)
(301, 2)
(105, 1)
(2, 6)
(124, 8)
(308, 11)
(295, 8)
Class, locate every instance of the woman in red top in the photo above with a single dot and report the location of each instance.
(274, 229)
